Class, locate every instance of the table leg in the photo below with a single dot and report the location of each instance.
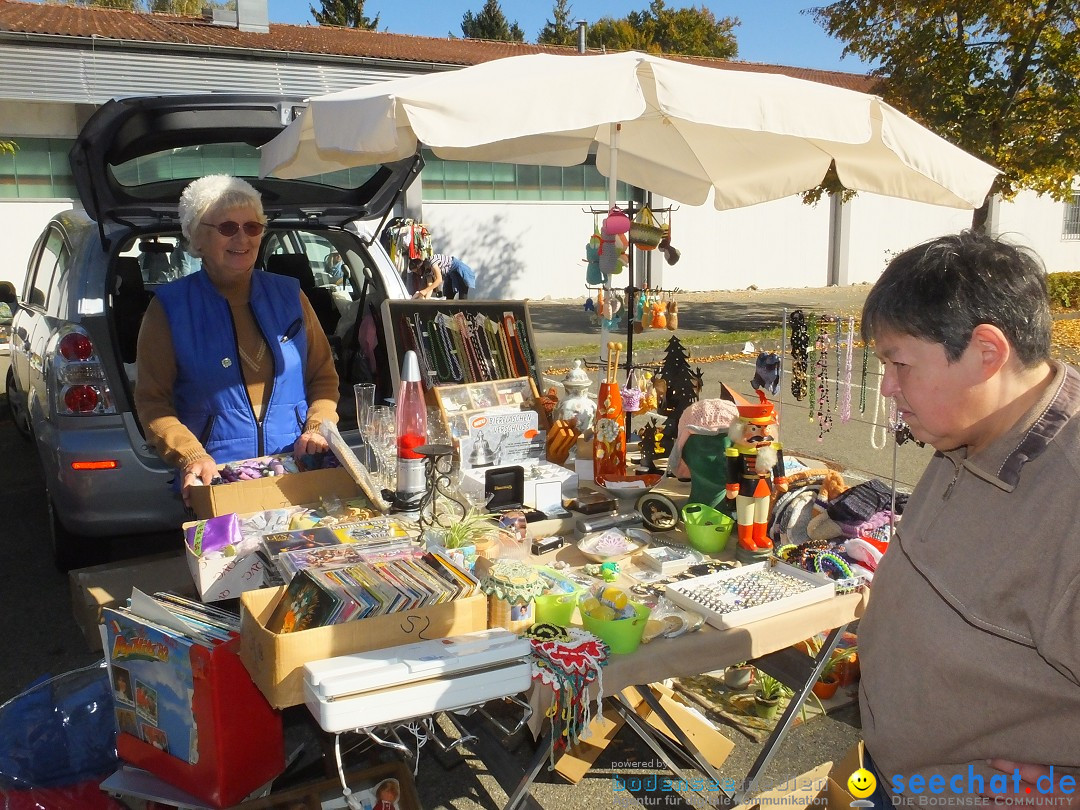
(782, 725)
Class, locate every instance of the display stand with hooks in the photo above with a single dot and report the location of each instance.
(631, 289)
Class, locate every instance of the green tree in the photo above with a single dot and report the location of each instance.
(345, 13)
(187, 8)
(559, 31)
(491, 23)
(658, 29)
(999, 78)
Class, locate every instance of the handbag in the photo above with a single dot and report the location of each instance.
(645, 231)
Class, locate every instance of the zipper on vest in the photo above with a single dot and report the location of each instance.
(261, 428)
(949, 488)
(260, 439)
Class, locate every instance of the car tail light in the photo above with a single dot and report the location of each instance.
(81, 398)
(75, 346)
(76, 378)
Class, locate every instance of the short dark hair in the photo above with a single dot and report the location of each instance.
(942, 289)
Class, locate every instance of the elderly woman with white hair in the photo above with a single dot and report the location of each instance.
(233, 363)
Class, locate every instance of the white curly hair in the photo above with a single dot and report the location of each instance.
(214, 192)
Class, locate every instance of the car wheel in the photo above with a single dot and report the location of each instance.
(20, 418)
(71, 550)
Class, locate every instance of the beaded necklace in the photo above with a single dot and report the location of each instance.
(821, 371)
(438, 354)
(470, 350)
(517, 350)
(800, 342)
(523, 341)
(445, 350)
(862, 386)
(845, 397)
(838, 359)
(888, 411)
(484, 352)
(498, 338)
(444, 331)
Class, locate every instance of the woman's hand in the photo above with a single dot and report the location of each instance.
(200, 471)
(310, 442)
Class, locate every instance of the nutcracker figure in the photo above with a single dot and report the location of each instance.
(755, 464)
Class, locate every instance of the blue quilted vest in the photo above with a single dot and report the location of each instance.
(209, 393)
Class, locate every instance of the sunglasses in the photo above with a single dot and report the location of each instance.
(230, 228)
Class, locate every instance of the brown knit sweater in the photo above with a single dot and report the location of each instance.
(157, 373)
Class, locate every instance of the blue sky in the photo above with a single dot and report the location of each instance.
(772, 31)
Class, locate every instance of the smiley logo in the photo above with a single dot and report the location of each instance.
(861, 783)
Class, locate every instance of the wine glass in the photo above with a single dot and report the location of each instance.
(384, 443)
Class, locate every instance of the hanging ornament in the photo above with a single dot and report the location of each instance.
(849, 353)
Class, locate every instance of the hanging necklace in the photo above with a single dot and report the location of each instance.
(821, 369)
(443, 335)
(845, 395)
(882, 409)
(838, 358)
(800, 341)
(862, 386)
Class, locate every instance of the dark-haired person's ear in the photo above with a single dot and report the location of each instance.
(992, 348)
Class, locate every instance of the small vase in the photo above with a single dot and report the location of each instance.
(609, 442)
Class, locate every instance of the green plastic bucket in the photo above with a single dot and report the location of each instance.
(621, 635)
(708, 529)
(556, 608)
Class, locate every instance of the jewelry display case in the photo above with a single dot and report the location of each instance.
(461, 342)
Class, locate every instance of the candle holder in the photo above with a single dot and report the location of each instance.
(438, 461)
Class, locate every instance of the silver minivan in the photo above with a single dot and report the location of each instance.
(95, 268)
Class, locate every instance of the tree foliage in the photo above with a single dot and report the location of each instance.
(345, 13)
(491, 23)
(658, 29)
(999, 78)
(560, 30)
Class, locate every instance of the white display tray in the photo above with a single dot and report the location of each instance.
(682, 594)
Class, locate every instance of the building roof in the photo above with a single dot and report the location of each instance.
(128, 29)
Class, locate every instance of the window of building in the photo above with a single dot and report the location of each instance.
(454, 180)
(37, 169)
(1070, 229)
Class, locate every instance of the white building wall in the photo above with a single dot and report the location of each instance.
(22, 223)
(1037, 221)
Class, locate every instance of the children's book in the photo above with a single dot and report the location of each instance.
(305, 604)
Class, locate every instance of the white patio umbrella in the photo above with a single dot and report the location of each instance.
(676, 129)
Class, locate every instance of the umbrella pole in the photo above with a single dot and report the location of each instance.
(613, 184)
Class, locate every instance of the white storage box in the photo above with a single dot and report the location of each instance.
(544, 484)
(744, 595)
(372, 688)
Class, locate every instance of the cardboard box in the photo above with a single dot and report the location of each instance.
(276, 660)
(823, 786)
(575, 762)
(804, 790)
(713, 746)
(108, 585)
(274, 492)
(218, 577)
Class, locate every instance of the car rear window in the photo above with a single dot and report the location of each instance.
(236, 159)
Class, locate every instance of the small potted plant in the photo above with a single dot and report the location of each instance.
(738, 676)
(476, 531)
(768, 695)
(829, 679)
